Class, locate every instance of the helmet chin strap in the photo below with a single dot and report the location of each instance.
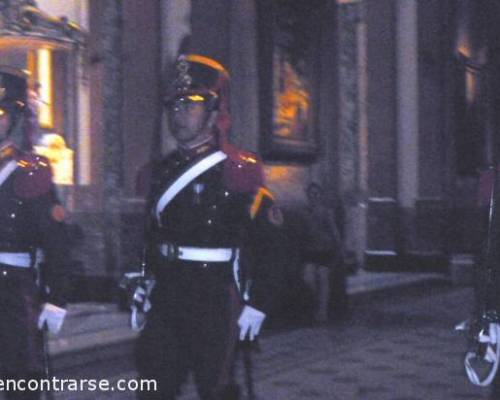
(15, 134)
(197, 142)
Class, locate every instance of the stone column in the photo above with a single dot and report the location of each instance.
(430, 226)
(112, 166)
(210, 28)
(382, 178)
(350, 156)
(244, 75)
(407, 115)
(141, 79)
(326, 170)
(348, 18)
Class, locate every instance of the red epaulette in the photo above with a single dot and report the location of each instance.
(242, 171)
(35, 177)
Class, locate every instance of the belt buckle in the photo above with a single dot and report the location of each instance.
(172, 252)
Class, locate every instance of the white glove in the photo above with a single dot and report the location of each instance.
(250, 322)
(53, 316)
(462, 326)
(489, 338)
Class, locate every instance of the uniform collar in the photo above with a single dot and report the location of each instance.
(197, 151)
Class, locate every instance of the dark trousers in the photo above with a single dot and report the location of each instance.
(21, 346)
(339, 299)
(495, 388)
(192, 326)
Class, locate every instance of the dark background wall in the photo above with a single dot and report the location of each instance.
(142, 109)
(210, 29)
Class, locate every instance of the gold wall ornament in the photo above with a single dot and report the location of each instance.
(24, 25)
(61, 158)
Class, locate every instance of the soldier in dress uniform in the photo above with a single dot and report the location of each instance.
(207, 206)
(31, 219)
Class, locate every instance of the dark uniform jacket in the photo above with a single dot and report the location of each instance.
(31, 218)
(225, 207)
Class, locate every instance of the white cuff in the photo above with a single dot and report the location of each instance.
(53, 316)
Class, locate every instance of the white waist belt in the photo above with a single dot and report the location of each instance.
(202, 254)
(21, 260)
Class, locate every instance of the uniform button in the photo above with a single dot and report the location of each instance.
(226, 194)
(4, 273)
(204, 265)
(13, 215)
(209, 222)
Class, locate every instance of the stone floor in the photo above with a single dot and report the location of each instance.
(397, 345)
(398, 348)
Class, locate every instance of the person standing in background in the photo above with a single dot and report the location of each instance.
(322, 251)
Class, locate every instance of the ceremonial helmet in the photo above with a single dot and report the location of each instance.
(14, 104)
(199, 78)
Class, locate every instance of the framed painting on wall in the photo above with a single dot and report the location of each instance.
(288, 46)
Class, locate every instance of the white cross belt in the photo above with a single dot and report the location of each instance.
(20, 260)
